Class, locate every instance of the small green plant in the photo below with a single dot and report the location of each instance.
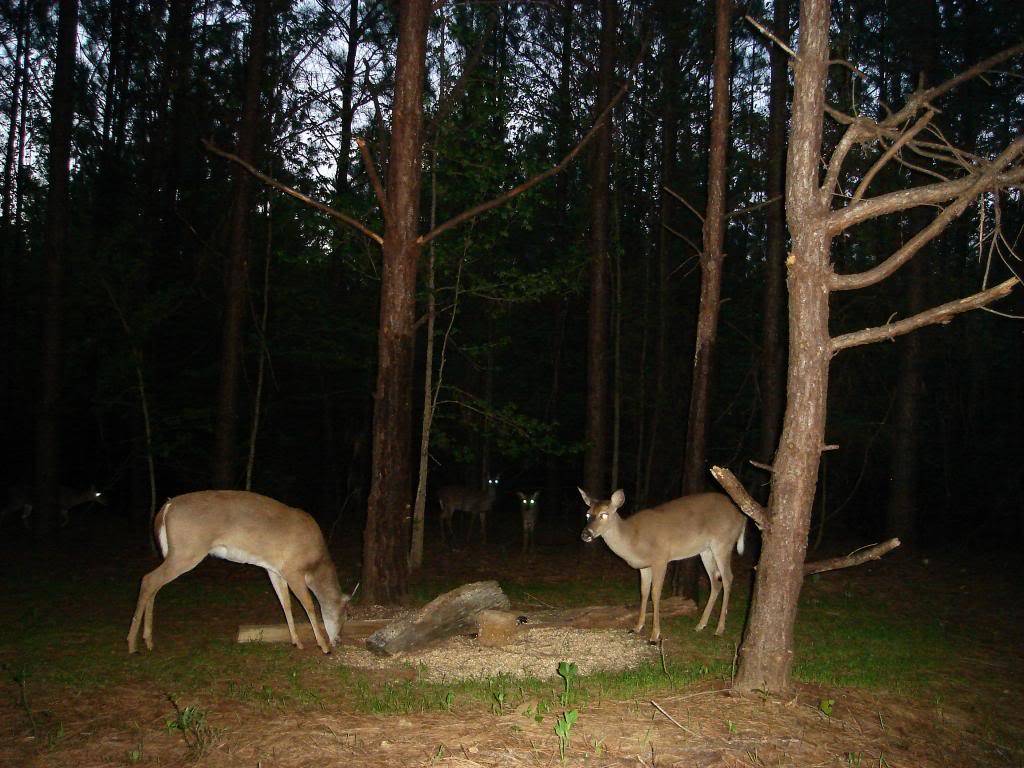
(438, 754)
(563, 728)
(598, 746)
(54, 736)
(134, 756)
(731, 726)
(825, 706)
(568, 671)
(191, 723)
(498, 703)
(854, 759)
(447, 700)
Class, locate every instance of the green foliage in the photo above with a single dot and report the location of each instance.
(568, 671)
(563, 729)
(191, 723)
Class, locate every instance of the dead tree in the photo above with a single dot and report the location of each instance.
(766, 654)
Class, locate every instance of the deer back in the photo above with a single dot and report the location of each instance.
(244, 527)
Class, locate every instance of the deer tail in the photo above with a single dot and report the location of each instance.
(739, 541)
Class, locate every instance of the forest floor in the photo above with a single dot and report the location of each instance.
(908, 662)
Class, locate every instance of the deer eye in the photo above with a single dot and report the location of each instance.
(604, 515)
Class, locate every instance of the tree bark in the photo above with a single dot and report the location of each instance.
(684, 575)
(236, 278)
(711, 260)
(595, 471)
(55, 244)
(766, 653)
(901, 511)
(385, 543)
(773, 362)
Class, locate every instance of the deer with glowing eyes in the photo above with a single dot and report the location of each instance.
(705, 524)
(528, 509)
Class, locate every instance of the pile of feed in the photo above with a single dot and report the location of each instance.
(534, 653)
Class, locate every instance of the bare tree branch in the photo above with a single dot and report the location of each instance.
(503, 198)
(747, 504)
(940, 314)
(921, 99)
(905, 137)
(271, 182)
(371, 171)
(685, 202)
(965, 190)
(854, 558)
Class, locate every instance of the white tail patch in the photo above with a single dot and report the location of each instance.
(739, 541)
(162, 536)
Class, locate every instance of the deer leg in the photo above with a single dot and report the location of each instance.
(483, 527)
(298, 586)
(281, 589)
(723, 560)
(658, 579)
(708, 559)
(645, 591)
(152, 582)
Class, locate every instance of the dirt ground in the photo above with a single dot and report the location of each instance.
(701, 725)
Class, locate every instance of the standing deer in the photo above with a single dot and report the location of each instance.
(528, 509)
(705, 524)
(20, 501)
(459, 498)
(246, 528)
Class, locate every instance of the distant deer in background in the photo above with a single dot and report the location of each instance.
(705, 524)
(246, 528)
(459, 498)
(528, 509)
(21, 501)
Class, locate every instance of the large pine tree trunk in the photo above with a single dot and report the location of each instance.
(595, 471)
(386, 539)
(237, 268)
(58, 203)
(766, 654)
(773, 361)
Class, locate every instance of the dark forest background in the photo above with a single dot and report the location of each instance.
(510, 89)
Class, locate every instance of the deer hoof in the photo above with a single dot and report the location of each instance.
(653, 641)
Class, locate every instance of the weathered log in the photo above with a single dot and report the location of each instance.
(444, 616)
(353, 632)
(604, 616)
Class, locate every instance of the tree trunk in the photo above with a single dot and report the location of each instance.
(773, 361)
(236, 278)
(341, 183)
(595, 457)
(711, 260)
(903, 502)
(386, 539)
(766, 653)
(683, 576)
(58, 203)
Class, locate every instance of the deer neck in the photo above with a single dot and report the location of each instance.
(616, 536)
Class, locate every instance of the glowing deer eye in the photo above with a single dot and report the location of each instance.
(604, 515)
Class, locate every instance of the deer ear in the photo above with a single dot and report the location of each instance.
(618, 498)
(586, 499)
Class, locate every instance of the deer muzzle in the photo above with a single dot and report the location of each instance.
(587, 536)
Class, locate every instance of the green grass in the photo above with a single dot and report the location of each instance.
(71, 635)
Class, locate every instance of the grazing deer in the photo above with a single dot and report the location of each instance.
(459, 498)
(528, 509)
(246, 528)
(705, 524)
(20, 501)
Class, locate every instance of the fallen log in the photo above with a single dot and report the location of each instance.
(353, 632)
(444, 616)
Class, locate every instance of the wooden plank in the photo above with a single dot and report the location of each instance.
(444, 616)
